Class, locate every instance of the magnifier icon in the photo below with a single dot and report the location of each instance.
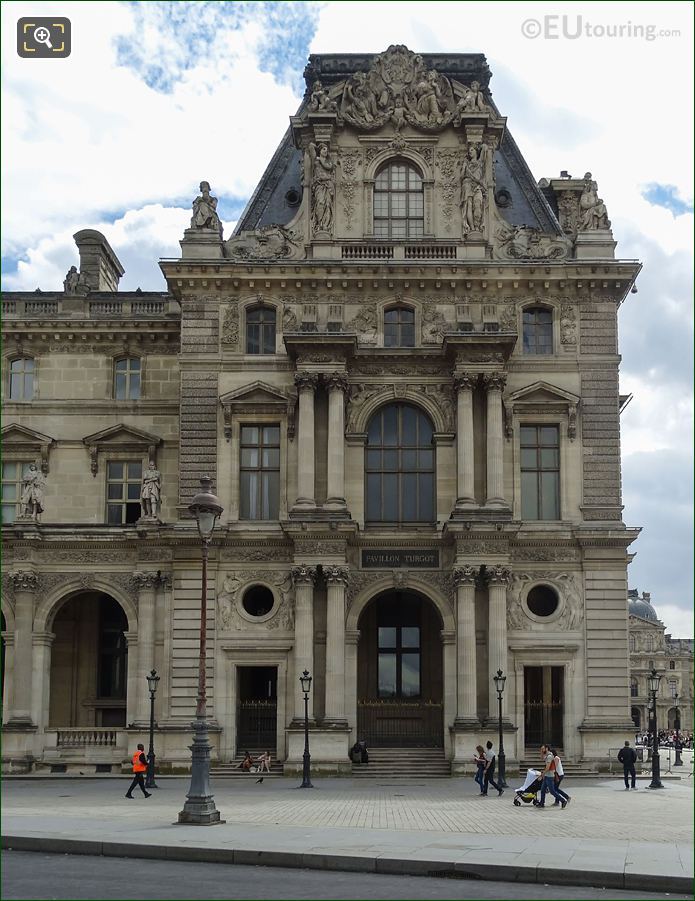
(43, 36)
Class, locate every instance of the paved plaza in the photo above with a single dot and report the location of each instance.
(606, 836)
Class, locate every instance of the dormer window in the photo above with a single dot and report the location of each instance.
(398, 202)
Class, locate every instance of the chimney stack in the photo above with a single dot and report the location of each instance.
(100, 268)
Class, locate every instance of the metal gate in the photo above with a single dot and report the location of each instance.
(400, 724)
(543, 705)
(257, 725)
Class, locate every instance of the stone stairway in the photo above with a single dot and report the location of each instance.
(403, 763)
(232, 769)
(572, 770)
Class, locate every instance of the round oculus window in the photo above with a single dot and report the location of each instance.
(542, 600)
(258, 600)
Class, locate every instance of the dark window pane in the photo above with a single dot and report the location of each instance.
(390, 460)
(387, 637)
(132, 512)
(135, 386)
(373, 498)
(115, 491)
(390, 425)
(249, 434)
(120, 389)
(271, 458)
(409, 458)
(529, 495)
(113, 514)
(409, 495)
(550, 458)
(135, 471)
(550, 495)
(387, 675)
(133, 492)
(373, 459)
(407, 336)
(529, 457)
(410, 675)
(426, 459)
(271, 434)
(121, 365)
(249, 456)
(410, 636)
(390, 498)
(115, 471)
(528, 435)
(549, 435)
(426, 497)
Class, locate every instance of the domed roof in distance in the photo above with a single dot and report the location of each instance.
(643, 609)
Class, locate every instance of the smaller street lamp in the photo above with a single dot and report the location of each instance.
(677, 724)
(653, 680)
(152, 681)
(500, 679)
(305, 681)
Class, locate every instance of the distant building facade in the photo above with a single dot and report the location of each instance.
(651, 647)
(401, 372)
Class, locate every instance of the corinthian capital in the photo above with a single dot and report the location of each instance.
(494, 381)
(465, 575)
(304, 575)
(143, 580)
(336, 381)
(336, 575)
(465, 381)
(306, 381)
(498, 575)
(24, 581)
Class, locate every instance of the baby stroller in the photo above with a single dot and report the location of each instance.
(528, 791)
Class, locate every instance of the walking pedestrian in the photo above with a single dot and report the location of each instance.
(480, 762)
(627, 756)
(489, 772)
(548, 784)
(139, 769)
(559, 776)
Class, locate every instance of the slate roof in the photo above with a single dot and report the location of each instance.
(275, 199)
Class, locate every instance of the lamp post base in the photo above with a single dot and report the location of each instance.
(199, 809)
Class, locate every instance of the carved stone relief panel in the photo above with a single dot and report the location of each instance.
(571, 608)
(230, 613)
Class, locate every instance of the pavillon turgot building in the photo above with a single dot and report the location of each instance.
(401, 372)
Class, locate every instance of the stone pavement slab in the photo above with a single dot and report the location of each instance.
(605, 837)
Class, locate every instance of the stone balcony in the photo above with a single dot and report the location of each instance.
(43, 306)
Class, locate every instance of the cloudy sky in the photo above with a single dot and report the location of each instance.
(157, 96)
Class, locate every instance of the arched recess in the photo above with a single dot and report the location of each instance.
(416, 583)
(399, 394)
(56, 597)
(406, 155)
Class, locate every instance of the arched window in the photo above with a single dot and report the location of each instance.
(399, 327)
(634, 688)
(260, 330)
(21, 381)
(398, 202)
(127, 378)
(633, 643)
(400, 466)
(538, 331)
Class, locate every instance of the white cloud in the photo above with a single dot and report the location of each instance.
(678, 622)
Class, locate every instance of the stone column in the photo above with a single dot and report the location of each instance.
(304, 578)
(306, 385)
(498, 579)
(146, 584)
(494, 385)
(336, 578)
(25, 586)
(337, 385)
(467, 695)
(465, 453)
(449, 672)
(42, 642)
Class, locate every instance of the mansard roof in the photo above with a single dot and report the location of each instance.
(276, 198)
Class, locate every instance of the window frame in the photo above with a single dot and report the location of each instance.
(21, 358)
(400, 471)
(538, 308)
(23, 468)
(558, 468)
(260, 469)
(127, 358)
(398, 651)
(390, 193)
(400, 325)
(262, 326)
(125, 461)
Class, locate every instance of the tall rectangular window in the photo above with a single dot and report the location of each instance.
(123, 485)
(126, 379)
(12, 475)
(260, 471)
(21, 385)
(540, 472)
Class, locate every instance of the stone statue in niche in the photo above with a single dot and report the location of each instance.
(33, 487)
(151, 492)
(205, 210)
(592, 210)
(322, 188)
(474, 188)
(320, 101)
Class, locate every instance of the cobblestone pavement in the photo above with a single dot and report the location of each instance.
(600, 809)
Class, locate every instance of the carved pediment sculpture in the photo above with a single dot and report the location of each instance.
(520, 242)
(272, 242)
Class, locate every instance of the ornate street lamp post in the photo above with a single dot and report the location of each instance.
(305, 680)
(653, 680)
(499, 685)
(152, 681)
(677, 724)
(199, 809)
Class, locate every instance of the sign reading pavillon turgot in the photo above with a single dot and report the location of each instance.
(387, 558)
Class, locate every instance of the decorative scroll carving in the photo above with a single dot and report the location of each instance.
(24, 580)
(230, 325)
(448, 162)
(147, 580)
(318, 548)
(443, 396)
(482, 548)
(358, 582)
(568, 324)
(433, 324)
(359, 395)
(365, 324)
(272, 242)
(568, 208)
(349, 164)
(466, 381)
(290, 323)
(508, 318)
(88, 580)
(545, 554)
(521, 242)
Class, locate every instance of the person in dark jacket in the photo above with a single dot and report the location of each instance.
(627, 756)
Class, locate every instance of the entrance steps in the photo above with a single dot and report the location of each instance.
(572, 770)
(232, 769)
(404, 763)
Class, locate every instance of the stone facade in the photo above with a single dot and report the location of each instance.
(651, 647)
(506, 326)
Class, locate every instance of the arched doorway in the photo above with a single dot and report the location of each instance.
(89, 663)
(400, 672)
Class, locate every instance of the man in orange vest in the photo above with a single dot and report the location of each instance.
(139, 769)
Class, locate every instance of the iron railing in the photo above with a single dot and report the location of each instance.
(400, 724)
(257, 725)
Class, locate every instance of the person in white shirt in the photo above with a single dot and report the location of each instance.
(559, 776)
